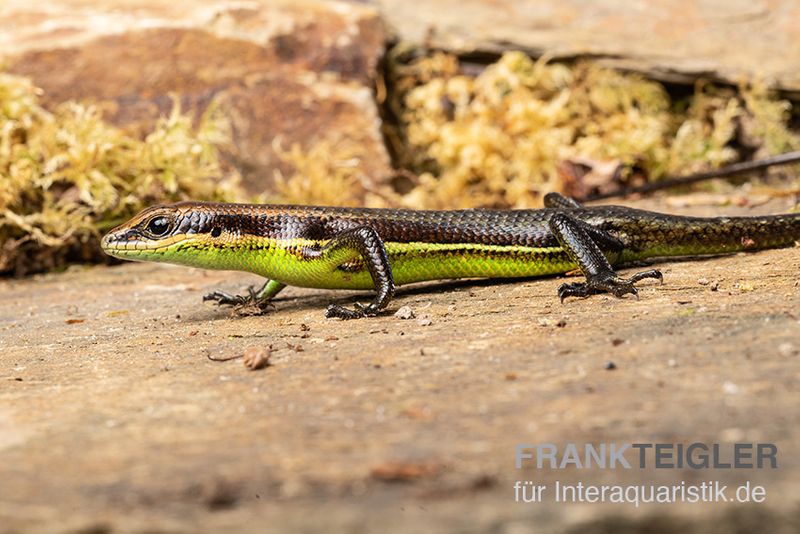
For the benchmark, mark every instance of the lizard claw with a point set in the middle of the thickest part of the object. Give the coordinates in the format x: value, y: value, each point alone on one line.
x: 576, y: 289
x: 225, y: 299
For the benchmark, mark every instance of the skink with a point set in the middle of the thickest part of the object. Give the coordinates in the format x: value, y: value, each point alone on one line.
x: 362, y: 248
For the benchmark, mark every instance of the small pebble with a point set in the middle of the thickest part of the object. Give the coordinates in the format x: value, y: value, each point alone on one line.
x: 617, y: 342
x: 703, y: 281
x: 610, y: 366
x: 256, y: 357
x: 730, y: 388
x: 405, y: 313
x: 787, y: 349
x: 424, y: 321
x: 561, y: 323
x: 672, y: 362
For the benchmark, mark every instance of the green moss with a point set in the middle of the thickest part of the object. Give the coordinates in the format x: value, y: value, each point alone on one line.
x: 66, y: 175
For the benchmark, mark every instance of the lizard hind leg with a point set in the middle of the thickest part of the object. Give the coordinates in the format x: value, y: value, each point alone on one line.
x: 580, y: 241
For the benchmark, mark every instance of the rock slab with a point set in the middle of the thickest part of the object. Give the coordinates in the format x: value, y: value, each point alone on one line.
x: 293, y: 72
x: 114, y: 418
x: 671, y: 40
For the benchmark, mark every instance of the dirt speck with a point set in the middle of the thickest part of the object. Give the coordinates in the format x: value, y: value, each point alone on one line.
x: 405, y: 471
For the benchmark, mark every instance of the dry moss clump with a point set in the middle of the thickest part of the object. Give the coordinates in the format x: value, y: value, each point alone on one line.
x: 498, y: 138
x: 66, y: 176
x: 326, y: 174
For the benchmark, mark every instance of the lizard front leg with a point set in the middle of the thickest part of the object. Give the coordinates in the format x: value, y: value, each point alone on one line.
x: 363, y: 242
x: 259, y: 298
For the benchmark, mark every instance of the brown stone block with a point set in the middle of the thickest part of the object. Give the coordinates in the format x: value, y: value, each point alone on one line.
x: 671, y: 40
x: 302, y: 70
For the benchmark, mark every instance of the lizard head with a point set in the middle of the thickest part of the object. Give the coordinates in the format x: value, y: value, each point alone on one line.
x: 177, y: 233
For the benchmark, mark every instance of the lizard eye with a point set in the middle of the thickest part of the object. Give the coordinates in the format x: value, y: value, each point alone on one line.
x: 159, y: 226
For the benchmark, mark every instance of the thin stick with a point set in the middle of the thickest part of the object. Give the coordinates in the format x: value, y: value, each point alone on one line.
x: 730, y: 170
x: 223, y: 358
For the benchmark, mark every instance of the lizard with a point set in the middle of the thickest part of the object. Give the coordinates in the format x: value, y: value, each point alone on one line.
x: 381, y: 248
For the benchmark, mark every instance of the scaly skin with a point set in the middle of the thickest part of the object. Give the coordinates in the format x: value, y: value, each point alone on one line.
x: 287, y: 244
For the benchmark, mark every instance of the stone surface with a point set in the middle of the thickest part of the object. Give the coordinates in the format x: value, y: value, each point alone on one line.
x: 673, y: 40
x: 294, y: 72
x: 113, y: 418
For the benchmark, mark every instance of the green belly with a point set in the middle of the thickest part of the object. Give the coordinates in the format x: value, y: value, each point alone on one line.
x: 414, y: 262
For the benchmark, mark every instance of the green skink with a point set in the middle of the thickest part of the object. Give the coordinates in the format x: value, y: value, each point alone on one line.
x: 361, y: 248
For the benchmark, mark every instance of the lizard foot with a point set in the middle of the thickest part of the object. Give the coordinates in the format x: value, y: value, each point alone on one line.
x: 340, y: 312
x: 249, y: 304
x: 607, y: 282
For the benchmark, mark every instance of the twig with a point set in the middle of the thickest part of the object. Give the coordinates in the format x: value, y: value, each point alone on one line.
x: 730, y: 170
x: 222, y: 359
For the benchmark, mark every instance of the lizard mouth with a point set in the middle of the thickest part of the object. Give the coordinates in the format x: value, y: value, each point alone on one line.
x: 126, y: 243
